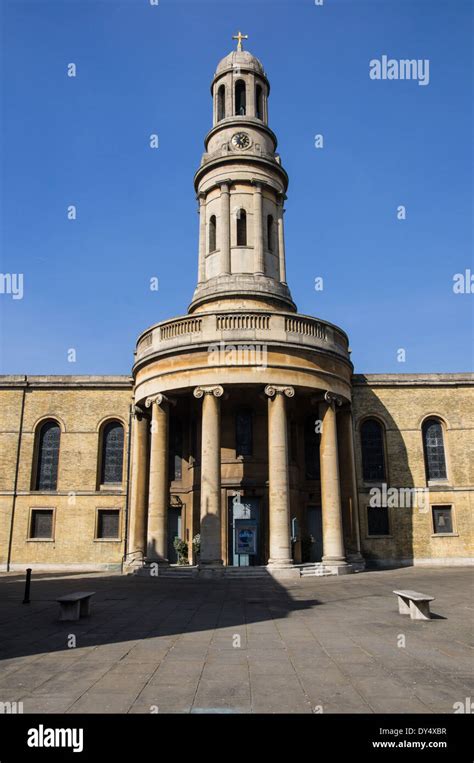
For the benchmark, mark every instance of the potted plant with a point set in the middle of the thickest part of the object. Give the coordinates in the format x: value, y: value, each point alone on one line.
x: 181, y: 548
x: 196, y: 547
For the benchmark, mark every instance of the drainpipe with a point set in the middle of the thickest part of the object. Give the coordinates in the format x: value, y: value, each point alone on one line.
x: 127, y: 494
x: 17, y: 470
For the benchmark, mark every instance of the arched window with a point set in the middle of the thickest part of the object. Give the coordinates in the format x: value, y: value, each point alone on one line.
x: 270, y: 233
x: 221, y: 103
x: 243, y: 433
x: 433, y: 446
x: 373, y: 457
x: 241, y: 227
x: 312, y: 440
x: 212, y: 233
x: 240, y: 98
x: 48, y: 456
x: 259, y: 102
x: 112, y: 453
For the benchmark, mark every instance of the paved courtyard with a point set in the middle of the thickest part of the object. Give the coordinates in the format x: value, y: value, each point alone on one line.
x: 159, y: 645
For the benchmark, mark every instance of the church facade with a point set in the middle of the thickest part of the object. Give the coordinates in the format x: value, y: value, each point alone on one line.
x: 242, y: 438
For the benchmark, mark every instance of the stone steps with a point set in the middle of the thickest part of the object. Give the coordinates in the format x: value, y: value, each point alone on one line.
x: 316, y: 569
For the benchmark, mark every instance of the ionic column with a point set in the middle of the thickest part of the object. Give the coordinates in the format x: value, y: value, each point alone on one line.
x: 158, y: 494
x: 225, y: 228
x: 202, y: 238
x: 138, y: 487
x: 333, y: 541
x: 210, y: 475
x: 278, y: 476
x: 258, y: 228
x: 347, y: 431
x: 281, y: 240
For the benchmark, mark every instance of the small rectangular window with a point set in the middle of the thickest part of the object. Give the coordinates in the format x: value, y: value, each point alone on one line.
x: 41, y: 524
x: 108, y: 524
x: 377, y: 520
x: 442, y: 519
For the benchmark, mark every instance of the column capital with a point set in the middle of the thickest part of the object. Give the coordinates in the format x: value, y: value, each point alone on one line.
x: 257, y: 184
x: 159, y: 399
x: 201, y: 198
x: 273, y: 389
x: 332, y: 399
x: 217, y: 390
x: 224, y: 185
x: 137, y: 411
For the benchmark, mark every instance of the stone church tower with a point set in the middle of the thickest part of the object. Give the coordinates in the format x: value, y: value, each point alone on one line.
x: 242, y: 407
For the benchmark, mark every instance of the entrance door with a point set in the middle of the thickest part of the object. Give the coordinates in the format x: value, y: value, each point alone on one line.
x: 174, y: 531
x: 244, y: 531
x: 315, y: 530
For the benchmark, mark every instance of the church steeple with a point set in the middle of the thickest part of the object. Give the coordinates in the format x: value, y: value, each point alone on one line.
x: 241, y: 187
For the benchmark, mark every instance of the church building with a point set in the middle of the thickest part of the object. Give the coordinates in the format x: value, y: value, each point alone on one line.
x: 242, y: 430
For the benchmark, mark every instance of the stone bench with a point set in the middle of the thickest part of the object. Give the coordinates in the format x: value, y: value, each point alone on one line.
x: 75, y: 605
x: 415, y: 604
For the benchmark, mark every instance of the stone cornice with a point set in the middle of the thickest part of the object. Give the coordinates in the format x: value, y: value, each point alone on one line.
x: 414, y: 380
x: 65, y: 382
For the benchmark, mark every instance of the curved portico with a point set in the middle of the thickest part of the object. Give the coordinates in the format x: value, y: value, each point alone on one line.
x: 254, y: 396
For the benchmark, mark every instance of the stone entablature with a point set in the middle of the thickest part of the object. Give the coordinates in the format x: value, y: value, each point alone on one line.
x: 241, y: 326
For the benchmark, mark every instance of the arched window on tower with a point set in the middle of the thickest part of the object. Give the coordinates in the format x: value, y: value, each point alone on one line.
x: 47, y: 456
x: 212, y: 234
x: 221, y: 103
x: 241, y: 227
x: 270, y: 244
x: 240, y: 98
x: 372, y: 444
x: 111, y: 465
x: 433, y: 447
x: 259, y: 102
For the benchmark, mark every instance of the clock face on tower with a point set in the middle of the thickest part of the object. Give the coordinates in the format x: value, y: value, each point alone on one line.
x: 240, y: 140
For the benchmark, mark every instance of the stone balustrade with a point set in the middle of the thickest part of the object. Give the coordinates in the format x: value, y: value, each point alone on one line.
x: 243, y: 326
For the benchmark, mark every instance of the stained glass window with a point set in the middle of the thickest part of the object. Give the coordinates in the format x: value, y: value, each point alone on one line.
x: 433, y: 446
x: 373, y: 459
x: 112, y: 453
x: 48, y: 456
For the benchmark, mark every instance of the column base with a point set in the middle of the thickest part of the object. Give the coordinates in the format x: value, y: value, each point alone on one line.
x: 337, y: 565
x: 132, y: 563
x: 282, y: 569
x: 280, y: 562
x: 211, y: 570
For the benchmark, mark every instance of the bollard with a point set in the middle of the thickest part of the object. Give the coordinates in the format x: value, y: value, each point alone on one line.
x: 26, y: 600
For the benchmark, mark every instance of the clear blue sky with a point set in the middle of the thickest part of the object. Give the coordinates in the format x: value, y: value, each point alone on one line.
x: 144, y: 69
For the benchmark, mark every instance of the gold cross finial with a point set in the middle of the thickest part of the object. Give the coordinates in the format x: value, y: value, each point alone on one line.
x: 239, y: 37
